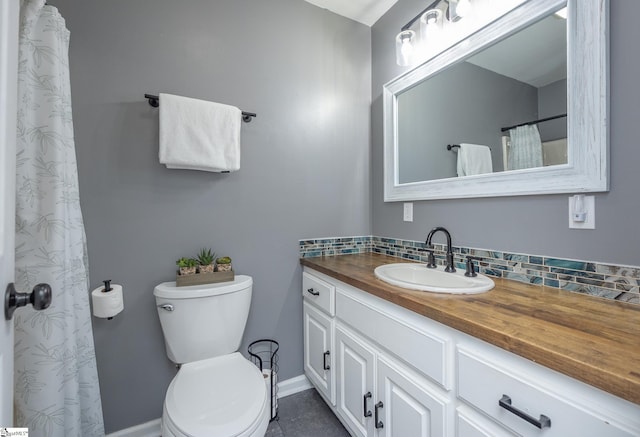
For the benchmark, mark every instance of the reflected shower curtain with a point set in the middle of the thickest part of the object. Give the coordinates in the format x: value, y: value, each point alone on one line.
x: 56, y: 380
x: 526, y: 147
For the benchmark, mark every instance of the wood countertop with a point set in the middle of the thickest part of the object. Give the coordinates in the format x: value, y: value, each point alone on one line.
x: 591, y: 339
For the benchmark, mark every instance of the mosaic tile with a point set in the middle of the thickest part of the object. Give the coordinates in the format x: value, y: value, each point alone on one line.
x: 589, y: 281
x: 604, y: 280
x: 516, y: 257
x: 536, y: 260
x: 629, y: 297
x: 535, y: 267
x: 486, y: 253
x: 551, y: 283
x: 633, y: 272
x: 569, y: 264
x: 491, y: 272
x: 576, y: 273
x: 522, y: 277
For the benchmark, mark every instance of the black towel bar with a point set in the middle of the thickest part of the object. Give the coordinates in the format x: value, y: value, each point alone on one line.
x: 155, y: 102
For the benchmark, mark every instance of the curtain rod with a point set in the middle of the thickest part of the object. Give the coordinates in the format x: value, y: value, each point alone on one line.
x: 155, y: 102
x: 504, y: 129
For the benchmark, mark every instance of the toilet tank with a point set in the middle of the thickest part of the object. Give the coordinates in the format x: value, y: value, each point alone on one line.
x: 203, y: 321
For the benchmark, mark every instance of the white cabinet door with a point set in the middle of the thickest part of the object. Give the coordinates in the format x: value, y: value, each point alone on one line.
x: 318, y: 347
x: 405, y: 408
x: 354, y: 382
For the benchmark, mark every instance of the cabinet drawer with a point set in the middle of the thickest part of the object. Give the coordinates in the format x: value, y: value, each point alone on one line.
x: 424, y: 351
x: 320, y: 293
x: 483, y: 382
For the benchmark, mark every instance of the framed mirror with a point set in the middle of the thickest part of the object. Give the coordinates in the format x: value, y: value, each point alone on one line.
x: 530, y: 80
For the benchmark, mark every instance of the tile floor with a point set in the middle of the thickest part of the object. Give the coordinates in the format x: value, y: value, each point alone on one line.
x: 305, y: 414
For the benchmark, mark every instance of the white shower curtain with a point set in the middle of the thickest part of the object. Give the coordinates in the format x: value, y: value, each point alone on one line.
x: 526, y: 147
x: 56, y: 380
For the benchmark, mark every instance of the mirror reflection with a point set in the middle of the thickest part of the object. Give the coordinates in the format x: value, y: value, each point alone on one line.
x: 504, y: 108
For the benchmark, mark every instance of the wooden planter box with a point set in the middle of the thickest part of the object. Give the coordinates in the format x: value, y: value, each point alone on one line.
x: 204, y: 278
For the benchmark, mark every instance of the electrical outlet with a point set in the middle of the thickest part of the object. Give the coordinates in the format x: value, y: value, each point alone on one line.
x: 408, y: 212
x: 578, y: 220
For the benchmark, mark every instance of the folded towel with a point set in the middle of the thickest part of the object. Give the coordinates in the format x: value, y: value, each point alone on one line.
x: 199, y: 135
x: 474, y: 159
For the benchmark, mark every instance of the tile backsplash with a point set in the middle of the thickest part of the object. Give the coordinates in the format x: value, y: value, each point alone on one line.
x: 604, y: 280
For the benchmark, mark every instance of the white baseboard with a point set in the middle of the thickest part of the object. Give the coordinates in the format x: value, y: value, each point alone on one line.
x: 153, y: 428
x: 293, y: 386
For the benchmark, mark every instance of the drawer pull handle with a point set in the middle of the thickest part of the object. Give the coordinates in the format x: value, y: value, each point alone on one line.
x: 543, y: 422
x: 379, y: 423
x: 365, y: 412
x: 326, y: 355
x: 312, y: 291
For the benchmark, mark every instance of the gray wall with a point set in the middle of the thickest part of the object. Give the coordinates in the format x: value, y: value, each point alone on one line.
x: 463, y: 104
x: 552, y: 101
x: 305, y: 163
x: 528, y: 224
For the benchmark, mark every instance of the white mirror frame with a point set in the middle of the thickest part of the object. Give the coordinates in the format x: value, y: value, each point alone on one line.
x: 587, y: 104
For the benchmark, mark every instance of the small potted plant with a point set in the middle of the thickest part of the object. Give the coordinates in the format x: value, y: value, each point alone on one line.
x: 187, y: 266
x: 205, y: 261
x: 223, y: 264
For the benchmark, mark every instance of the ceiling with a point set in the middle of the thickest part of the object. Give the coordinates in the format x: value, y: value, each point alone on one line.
x: 536, y: 55
x: 364, y: 11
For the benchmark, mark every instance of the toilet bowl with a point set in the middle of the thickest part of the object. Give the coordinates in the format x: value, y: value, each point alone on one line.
x: 224, y: 396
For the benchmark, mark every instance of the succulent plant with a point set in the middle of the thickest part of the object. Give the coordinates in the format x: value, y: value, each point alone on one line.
x: 187, y: 262
x: 205, y: 257
x: 223, y: 260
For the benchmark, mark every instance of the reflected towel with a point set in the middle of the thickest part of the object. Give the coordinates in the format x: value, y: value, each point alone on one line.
x: 474, y: 159
x: 199, y: 135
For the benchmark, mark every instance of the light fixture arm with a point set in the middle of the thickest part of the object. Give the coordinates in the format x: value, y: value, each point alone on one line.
x: 414, y: 19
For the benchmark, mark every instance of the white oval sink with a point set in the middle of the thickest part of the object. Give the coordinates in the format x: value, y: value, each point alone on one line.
x: 418, y: 277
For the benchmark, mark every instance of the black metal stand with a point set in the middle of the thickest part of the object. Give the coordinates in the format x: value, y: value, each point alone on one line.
x: 264, y: 354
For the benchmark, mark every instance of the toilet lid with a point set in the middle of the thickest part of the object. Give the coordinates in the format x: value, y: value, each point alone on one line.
x: 220, y: 396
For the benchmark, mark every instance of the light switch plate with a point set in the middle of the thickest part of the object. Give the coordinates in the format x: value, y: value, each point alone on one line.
x: 408, y: 212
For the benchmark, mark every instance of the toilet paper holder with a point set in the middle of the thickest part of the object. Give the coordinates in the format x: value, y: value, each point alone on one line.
x: 264, y: 354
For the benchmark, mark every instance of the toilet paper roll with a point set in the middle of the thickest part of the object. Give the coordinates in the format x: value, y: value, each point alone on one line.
x: 107, y: 304
x: 266, y: 373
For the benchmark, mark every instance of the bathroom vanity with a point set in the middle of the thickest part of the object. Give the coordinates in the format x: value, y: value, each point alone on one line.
x: 517, y: 360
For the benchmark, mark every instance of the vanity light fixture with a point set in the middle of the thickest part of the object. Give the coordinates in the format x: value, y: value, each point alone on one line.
x: 431, y: 21
x: 430, y: 24
x: 405, y: 42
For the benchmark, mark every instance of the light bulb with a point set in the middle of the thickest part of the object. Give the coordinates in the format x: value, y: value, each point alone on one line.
x: 404, y: 47
x: 430, y: 23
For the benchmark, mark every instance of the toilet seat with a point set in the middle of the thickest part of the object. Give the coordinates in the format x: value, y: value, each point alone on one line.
x: 221, y: 396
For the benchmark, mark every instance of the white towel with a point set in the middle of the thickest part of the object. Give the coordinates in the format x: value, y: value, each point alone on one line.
x: 199, y: 135
x: 474, y: 159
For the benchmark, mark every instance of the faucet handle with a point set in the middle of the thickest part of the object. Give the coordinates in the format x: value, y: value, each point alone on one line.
x: 431, y: 259
x: 471, y: 268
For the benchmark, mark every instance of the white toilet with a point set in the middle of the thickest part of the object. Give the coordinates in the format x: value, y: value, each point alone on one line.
x: 217, y: 392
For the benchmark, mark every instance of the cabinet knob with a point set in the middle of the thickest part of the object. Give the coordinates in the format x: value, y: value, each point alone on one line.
x: 543, y: 422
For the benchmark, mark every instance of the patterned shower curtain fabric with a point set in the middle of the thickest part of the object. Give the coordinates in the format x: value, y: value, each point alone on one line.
x: 56, y: 379
x: 526, y: 147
